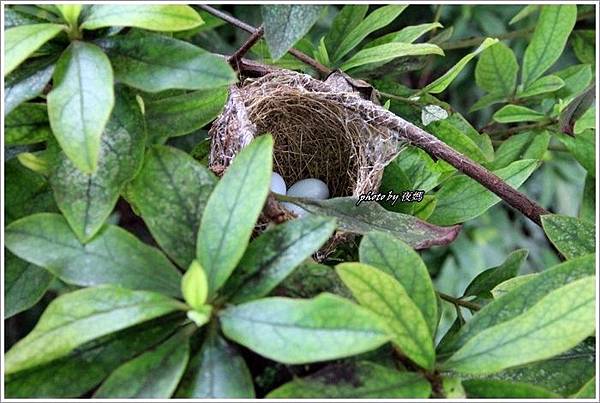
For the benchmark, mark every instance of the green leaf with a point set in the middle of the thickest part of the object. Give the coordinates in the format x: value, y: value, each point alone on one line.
x: 571, y: 236
x: 444, y: 81
x: 14, y: 17
x: 27, y: 124
x: 370, y: 216
x: 490, y: 388
x: 390, y: 51
x: 397, y: 259
x: 576, y: 79
x: 586, y: 121
x: 587, y: 391
x: 558, y: 322
x: 344, y: 22
x: 70, y: 12
x: 217, y: 371
x: 273, y: 255
x: 510, y: 284
x: 517, y: 113
x: 114, y: 256
x: 543, y: 85
x: 487, y: 100
x: 89, y: 364
x: 24, y: 284
x: 194, y: 286
x: 587, y: 208
x: 383, y: 295
x: 462, y: 198
x: 27, y: 192
x: 170, y: 192
x: 139, y: 61
x: 549, y: 38
x: 575, y: 109
x: 80, y: 316
x: 182, y: 114
x: 521, y: 298
x: 286, y: 24
x: 20, y: 42
x: 488, y: 279
x: 525, y: 11
x: 376, y: 20
x: 564, y: 374
x: 584, y: 45
x: 232, y: 210
x: 86, y: 200
x: 153, y: 17
x: 528, y: 145
x: 152, y: 375
x: 80, y: 103
x: 27, y: 82
x: 356, y: 380
x: 405, y: 35
x: 451, y: 132
x: 496, y: 70
x: 39, y: 161
x: 292, y: 331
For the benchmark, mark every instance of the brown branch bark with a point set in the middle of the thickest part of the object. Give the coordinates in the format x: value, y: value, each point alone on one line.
x: 411, y: 133
x: 234, y: 59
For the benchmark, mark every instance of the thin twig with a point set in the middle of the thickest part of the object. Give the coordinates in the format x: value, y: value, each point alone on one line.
x: 504, y: 133
x: 459, y: 302
x: 551, y: 147
x: 235, y: 59
x: 318, y: 67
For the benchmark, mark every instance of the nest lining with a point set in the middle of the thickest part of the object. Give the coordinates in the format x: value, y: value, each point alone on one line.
x: 316, y: 130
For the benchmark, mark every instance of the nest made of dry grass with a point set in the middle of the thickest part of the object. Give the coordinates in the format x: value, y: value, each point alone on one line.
x: 316, y: 130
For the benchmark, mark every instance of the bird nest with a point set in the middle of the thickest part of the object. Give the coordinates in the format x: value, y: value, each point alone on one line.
x: 317, y: 132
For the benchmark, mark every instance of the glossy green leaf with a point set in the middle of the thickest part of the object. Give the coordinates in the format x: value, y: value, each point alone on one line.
x: 374, y: 21
x: 152, y: 375
x: 370, y: 216
x: 444, y: 81
x: 217, y: 371
x: 27, y: 82
x: 292, y: 331
x: 487, y: 100
x: 399, y: 260
x: 587, y: 391
x: 182, y: 114
x: 582, y: 146
x: 558, y: 322
x: 549, y: 38
x: 488, y: 279
x: 344, y: 22
x: 451, y: 132
x: 27, y: 124
x: 405, y: 35
x: 586, y: 121
x: 70, y: 12
x: 576, y: 79
x: 584, y: 45
x: 571, y: 236
x: 155, y: 17
x: 14, y: 17
x: 89, y: 364
x: 496, y: 70
x: 543, y: 85
x: 170, y: 192
x: 80, y: 103
x: 386, y: 297
x: 24, y: 284
x: 139, y: 61
x: 491, y: 388
x: 194, y: 286
x: 20, y: 42
x: 80, y: 316
x: 86, y: 200
x: 576, y: 108
x: 517, y: 113
x: 528, y: 145
x: 286, y: 24
x: 26, y: 192
x: 114, y: 256
x: 564, y: 374
x: 525, y: 12
x: 273, y: 255
x: 587, y: 208
x: 389, y: 51
x: 355, y: 380
x: 521, y: 298
x: 232, y: 210
x: 462, y: 198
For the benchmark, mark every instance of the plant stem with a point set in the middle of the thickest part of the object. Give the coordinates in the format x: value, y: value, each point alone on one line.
x: 235, y: 59
x: 319, y: 68
x: 459, y: 302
